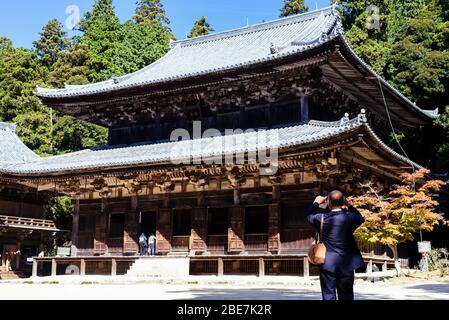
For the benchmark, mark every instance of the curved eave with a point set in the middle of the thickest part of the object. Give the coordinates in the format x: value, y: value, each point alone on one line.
x: 345, y: 136
x: 425, y: 115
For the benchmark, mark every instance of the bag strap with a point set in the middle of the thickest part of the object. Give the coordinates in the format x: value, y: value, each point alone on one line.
x: 320, y: 234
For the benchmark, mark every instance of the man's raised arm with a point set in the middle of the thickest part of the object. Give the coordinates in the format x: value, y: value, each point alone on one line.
x: 313, y: 209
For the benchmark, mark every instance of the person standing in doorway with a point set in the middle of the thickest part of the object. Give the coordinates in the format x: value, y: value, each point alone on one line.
x: 143, y: 244
x: 343, y: 256
x: 151, y: 244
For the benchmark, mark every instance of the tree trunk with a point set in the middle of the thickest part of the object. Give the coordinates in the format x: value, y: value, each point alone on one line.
x: 397, y: 264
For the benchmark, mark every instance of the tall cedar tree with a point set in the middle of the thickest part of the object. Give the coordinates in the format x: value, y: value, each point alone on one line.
x: 51, y: 44
x: 150, y: 10
x: 201, y: 27
x: 101, y: 27
x: 292, y: 7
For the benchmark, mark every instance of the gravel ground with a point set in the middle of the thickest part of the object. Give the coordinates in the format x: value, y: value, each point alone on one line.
x: 204, y: 288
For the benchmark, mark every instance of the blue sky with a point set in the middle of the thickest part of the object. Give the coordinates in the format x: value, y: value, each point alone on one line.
x: 22, y: 20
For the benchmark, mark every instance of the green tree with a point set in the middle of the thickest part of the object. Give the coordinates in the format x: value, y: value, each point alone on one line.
x: 139, y: 45
x: 292, y: 7
x: 101, y: 27
x: 51, y: 44
x: 72, y: 67
x: 201, y: 27
x: 72, y: 135
x: 150, y: 11
x: 33, y: 127
x: 20, y: 72
x: 100, y: 8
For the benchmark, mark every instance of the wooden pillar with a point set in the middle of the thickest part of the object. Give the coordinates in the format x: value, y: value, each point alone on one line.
x: 220, y: 267
x: 113, y: 267
x: 18, y: 255
x: 369, y: 267
x: 236, y: 230
x: 261, y: 267
x: 53, y: 267
x: 34, y: 270
x: 83, y: 267
x: 75, y: 227
x: 306, y: 267
x: 199, y: 230
x: 274, y: 228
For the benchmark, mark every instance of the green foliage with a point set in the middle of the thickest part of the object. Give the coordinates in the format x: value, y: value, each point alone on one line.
x: 410, y: 49
x: 51, y: 43
x: 19, y: 74
x: 72, y: 67
x: 59, y: 209
x: 150, y: 11
x: 33, y: 127
x: 138, y: 45
x: 293, y: 7
x: 201, y: 27
x: 71, y: 134
x: 101, y: 28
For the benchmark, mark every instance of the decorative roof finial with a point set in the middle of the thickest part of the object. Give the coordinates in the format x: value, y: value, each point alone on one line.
x: 362, y: 116
x: 115, y: 79
x: 273, y: 48
x: 345, y: 119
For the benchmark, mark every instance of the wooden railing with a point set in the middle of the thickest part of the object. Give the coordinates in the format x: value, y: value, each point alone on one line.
x: 180, y: 243
x: 256, y: 242
x: 27, y: 222
x: 375, y: 249
x: 218, y: 243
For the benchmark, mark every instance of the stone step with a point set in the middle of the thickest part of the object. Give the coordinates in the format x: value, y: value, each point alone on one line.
x: 12, y: 275
x: 160, y: 267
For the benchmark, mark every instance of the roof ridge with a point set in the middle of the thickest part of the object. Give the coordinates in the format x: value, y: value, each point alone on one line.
x: 256, y: 27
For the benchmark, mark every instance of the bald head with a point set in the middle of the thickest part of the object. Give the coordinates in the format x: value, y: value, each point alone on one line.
x: 335, y: 199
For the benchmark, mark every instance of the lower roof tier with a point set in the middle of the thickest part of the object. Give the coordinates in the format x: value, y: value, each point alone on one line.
x: 249, y: 145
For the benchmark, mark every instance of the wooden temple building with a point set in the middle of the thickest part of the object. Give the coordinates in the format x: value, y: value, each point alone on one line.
x: 23, y: 227
x: 296, y: 80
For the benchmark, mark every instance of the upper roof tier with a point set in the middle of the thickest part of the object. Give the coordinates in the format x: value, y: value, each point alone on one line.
x: 215, y: 52
x: 240, y: 49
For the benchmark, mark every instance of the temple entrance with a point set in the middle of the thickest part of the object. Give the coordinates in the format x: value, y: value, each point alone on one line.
x: 218, y: 224
x: 148, y: 222
x: 182, y: 229
x: 116, y: 233
x: 256, y: 228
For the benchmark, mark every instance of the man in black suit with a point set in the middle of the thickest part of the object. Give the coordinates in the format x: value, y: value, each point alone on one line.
x: 342, y: 254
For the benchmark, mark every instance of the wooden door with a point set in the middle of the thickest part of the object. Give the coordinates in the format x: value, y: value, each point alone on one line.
x: 273, y: 227
x: 199, y: 229
x: 164, y: 231
x: 101, y: 229
x: 130, y: 237
x: 236, y: 234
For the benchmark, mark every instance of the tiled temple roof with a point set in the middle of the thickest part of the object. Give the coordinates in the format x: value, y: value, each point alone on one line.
x: 239, y: 48
x: 12, y: 149
x: 206, y: 148
x: 221, y: 51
